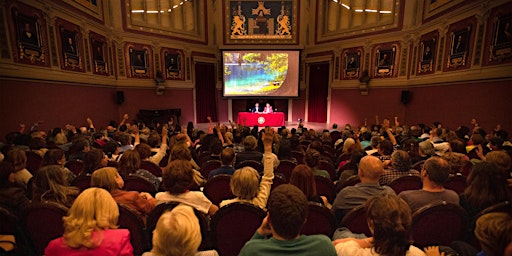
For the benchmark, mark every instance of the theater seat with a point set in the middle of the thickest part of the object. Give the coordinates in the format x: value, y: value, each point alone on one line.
x: 320, y: 221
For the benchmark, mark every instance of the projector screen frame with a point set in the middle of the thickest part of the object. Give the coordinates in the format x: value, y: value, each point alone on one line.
x: 295, y: 73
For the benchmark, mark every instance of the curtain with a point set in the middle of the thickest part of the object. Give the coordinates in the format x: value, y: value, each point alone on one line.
x: 318, y: 92
x: 206, y: 103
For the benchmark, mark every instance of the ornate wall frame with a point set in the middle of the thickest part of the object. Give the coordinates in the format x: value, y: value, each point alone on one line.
x: 352, y: 60
x: 427, y: 53
x: 30, y: 40
x: 70, y: 42
x: 261, y: 22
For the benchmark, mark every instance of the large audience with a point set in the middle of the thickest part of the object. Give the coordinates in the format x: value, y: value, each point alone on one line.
x: 363, y: 163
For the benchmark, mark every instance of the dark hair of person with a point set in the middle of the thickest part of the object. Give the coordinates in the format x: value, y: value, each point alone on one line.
x: 53, y: 156
x: 92, y: 160
x: 288, y: 209
x: 50, y: 183
x: 37, y: 143
x: 303, y: 178
x: 312, y: 158
x: 458, y: 146
x: 178, y: 177
x: 438, y: 169
x: 486, y: 186
x: 401, y: 161
x: 391, y: 219
x: 180, y: 152
x: 144, y: 150
x: 129, y: 163
x: 318, y: 145
x: 386, y: 147
x: 227, y: 155
x: 216, y: 147
x: 6, y: 168
x: 285, y: 149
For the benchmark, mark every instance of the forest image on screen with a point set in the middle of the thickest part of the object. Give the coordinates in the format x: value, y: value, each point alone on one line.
x: 263, y: 73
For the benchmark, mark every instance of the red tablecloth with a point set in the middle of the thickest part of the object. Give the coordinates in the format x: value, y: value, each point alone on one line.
x: 273, y: 119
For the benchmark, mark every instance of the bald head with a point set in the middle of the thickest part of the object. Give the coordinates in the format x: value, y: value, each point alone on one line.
x: 370, y: 169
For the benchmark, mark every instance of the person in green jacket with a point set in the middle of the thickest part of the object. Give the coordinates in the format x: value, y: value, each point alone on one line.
x: 287, y: 213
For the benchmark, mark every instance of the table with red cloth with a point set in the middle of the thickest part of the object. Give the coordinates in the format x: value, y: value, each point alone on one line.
x: 259, y: 119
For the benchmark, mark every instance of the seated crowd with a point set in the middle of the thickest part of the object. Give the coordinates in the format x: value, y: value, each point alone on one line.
x: 91, y: 171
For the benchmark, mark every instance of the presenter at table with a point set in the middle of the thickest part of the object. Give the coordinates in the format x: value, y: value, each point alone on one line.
x: 256, y: 108
x: 268, y: 109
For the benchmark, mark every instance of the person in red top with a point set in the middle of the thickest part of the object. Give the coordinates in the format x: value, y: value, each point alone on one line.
x: 91, y: 228
x: 108, y: 178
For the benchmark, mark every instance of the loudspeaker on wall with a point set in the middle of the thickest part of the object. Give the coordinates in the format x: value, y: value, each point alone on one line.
x: 406, y: 97
x: 119, y: 97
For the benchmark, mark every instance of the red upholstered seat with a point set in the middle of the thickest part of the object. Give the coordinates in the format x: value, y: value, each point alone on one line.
x: 217, y: 188
x: 320, y: 221
x: 43, y: 222
x: 233, y: 225
x: 438, y: 224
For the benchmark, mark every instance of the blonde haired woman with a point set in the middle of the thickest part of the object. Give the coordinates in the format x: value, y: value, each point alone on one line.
x: 91, y: 228
x: 245, y: 182
x: 178, y: 232
x: 108, y: 178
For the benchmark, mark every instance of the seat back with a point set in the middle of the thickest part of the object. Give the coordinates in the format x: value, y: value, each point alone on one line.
x: 164, y: 161
x: 329, y: 167
x: 466, y: 168
x: 252, y: 163
x: 298, y: 155
x: 320, y: 220
x: 351, y: 181
x: 155, y: 214
x: 217, y: 188
x: 438, y: 224
x: 286, y: 167
x: 131, y: 220
x: 82, y: 182
x: 335, y: 135
x: 408, y: 182
x: 499, y: 207
x: 209, y: 166
x: 140, y: 184
x: 418, y: 165
x: 325, y: 187
x: 233, y: 225
x: 355, y: 220
x: 8, y: 222
x: 456, y: 183
x: 76, y: 166
x: 279, y: 179
x: 43, y: 223
x: 151, y: 167
x: 34, y: 162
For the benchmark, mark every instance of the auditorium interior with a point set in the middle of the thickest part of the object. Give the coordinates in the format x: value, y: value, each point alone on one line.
x: 421, y: 61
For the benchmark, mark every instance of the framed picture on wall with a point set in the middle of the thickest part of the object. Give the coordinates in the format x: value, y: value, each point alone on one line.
x: 261, y: 22
x: 501, y: 48
x: 139, y: 61
x: 27, y: 27
x: 385, y: 62
x: 427, y: 53
x: 351, y: 63
x: 99, y: 54
x: 174, y: 64
x: 70, y: 45
x: 459, y: 44
x: 459, y: 47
